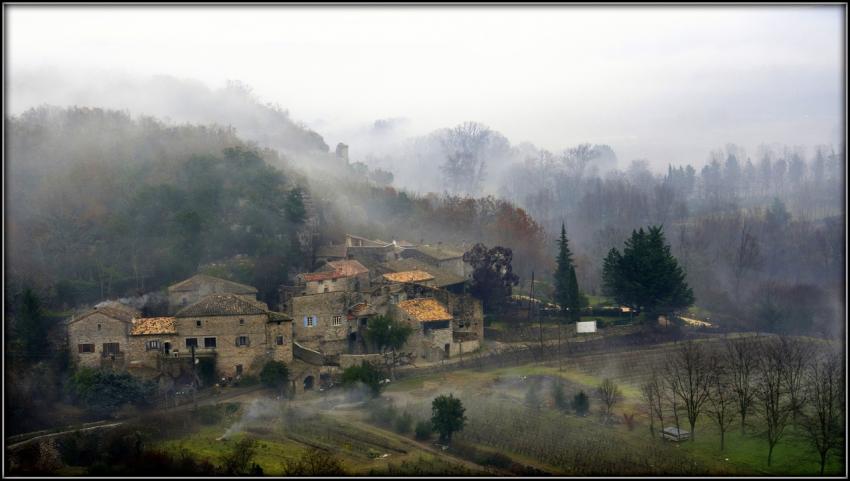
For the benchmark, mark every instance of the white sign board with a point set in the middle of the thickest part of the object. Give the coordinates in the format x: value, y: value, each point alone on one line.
x: 587, y: 326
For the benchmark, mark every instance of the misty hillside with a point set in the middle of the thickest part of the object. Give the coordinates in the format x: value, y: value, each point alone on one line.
x: 179, y: 100
x: 102, y: 204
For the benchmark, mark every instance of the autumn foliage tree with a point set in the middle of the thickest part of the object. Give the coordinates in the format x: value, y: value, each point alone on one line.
x: 492, y: 276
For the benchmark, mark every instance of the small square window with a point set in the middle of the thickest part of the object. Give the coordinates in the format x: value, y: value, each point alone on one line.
x: 198, y: 323
x: 191, y: 341
x: 85, y: 348
x: 310, y: 322
x: 242, y: 341
x: 153, y: 345
x: 279, y: 340
x: 209, y: 342
x: 98, y: 327
x: 241, y: 322
x: 337, y: 320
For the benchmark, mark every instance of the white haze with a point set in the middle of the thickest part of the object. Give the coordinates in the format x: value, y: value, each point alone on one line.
x: 667, y: 84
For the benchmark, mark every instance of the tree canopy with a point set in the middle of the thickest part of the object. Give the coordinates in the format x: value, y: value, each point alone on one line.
x: 447, y: 416
x: 492, y: 276
x: 646, y: 275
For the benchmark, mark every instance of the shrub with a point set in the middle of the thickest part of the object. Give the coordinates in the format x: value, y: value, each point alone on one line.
x: 314, y: 462
x: 365, y: 373
x: 104, y: 392
x: 404, y: 423
x: 423, y: 430
x: 581, y: 403
x: 275, y: 375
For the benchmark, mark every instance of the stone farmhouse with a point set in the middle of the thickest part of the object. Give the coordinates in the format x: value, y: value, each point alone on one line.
x: 318, y: 328
x: 235, y: 329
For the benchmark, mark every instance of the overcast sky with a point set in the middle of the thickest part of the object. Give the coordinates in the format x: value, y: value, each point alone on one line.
x: 663, y: 83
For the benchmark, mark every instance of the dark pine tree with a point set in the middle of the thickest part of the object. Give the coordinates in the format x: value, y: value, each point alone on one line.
x: 647, y: 276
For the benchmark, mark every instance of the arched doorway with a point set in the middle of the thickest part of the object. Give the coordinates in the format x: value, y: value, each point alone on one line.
x: 308, y: 383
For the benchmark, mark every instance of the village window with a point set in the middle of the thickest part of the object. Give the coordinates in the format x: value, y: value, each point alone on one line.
x: 85, y: 348
x: 310, y: 321
x: 191, y: 341
x: 198, y: 323
x: 242, y: 341
x: 395, y: 299
x: 110, y: 348
x: 152, y: 345
x: 337, y: 320
x: 241, y: 322
x: 98, y: 327
x: 209, y: 342
x: 239, y: 369
x: 327, y: 289
x: 279, y: 340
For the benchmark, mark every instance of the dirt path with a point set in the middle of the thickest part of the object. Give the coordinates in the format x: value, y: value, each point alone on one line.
x: 70, y: 429
x: 419, y: 445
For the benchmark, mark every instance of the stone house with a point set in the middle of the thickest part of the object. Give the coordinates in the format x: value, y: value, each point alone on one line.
x: 441, y: 257
x: 334, y: 276
x: 242, y: 335
x: 99, y: 337
x: 326, y: 321
x: 199, y: 286
x: 431, y: 321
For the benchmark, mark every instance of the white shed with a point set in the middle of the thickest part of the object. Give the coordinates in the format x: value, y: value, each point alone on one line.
x: 586, y: 327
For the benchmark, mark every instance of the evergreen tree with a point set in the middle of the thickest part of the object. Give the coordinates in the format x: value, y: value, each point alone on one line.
x: 647, y: 275
x: 31, y: 325
x: 567, y: 293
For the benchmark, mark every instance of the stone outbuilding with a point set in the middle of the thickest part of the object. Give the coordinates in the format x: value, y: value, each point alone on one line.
x: 99, y: 336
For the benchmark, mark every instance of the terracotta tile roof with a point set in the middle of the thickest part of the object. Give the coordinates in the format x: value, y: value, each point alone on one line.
x: 322, y: 276
x: 220, y: 285
x: 442, y: 277
x: 425, y: 310
x: 336, y: 270
x: 279, y: 316
x: 153, y: 325
x: 222, y: 305
x: 349, y: 267
x: 408, y: 276
x: 362, y: 309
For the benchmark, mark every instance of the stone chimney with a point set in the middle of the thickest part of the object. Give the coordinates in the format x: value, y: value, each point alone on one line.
x: 342, y: 151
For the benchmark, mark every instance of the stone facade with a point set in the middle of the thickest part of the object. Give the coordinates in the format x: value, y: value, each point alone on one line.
x: 244, y: 340
x: 321, y: 321
x: 99, y: 337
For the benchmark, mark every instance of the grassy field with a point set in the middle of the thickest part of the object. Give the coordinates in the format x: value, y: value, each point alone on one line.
x: 500, y: 420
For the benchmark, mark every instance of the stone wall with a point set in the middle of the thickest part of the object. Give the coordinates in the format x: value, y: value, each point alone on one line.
x: 226, y: 330
x: 97, y: 329
x: 348, y: 360
x: 323, y: 334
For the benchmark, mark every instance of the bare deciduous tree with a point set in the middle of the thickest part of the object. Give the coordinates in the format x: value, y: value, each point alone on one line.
x: 771, y: 393
x: 740, y: 366
x: 609, y: 394
x: 721, y: 400
x: 652, y: 392
x: 822, y: 422
x: 747, y: 257
x: 797, y: 355
x: 689, y: 376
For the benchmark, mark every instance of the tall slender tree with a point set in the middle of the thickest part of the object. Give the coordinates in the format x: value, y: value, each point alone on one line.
x: 567, y: 293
